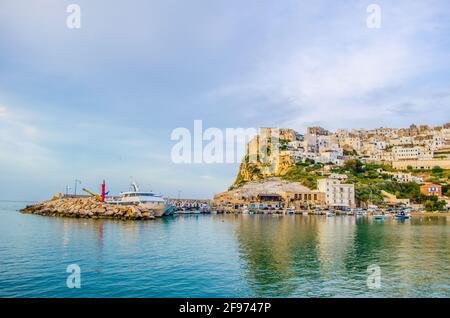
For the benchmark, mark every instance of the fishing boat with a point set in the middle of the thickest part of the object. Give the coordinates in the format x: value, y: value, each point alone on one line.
x: 402, y: 215
x: 148, y: 200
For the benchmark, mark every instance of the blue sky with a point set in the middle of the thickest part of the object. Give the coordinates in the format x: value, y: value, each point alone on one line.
x: 101, y: 101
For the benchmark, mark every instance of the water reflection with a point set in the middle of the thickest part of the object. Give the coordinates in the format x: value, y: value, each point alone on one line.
x: 224, y: 256
x: 329, y: 256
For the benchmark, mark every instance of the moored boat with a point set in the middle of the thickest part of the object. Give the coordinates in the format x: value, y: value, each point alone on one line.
x: 148, y: 200
x: 290, y: 210
x: 403, y: 215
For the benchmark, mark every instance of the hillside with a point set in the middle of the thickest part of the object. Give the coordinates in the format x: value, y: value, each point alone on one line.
x: 374, y: 183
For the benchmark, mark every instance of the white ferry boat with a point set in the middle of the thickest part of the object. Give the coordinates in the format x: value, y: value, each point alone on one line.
x: 147, y: 200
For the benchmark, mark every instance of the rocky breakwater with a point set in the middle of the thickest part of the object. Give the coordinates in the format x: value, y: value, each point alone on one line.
x: 87, y: 208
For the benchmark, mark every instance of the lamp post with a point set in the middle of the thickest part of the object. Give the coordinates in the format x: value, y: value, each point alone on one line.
x: 67, y: 190
x: 75, y: 188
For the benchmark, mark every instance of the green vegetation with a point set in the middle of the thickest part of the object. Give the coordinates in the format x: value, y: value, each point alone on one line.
x: 370, y: 180
x: 432, y: 203
x: 368, y: 193
x: 302, y: 173
x: 284, y: 144
x: 437, y: 171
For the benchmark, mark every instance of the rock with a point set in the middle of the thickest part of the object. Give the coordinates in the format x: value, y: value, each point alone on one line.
x: 86, y: 208
x: 57, y: 196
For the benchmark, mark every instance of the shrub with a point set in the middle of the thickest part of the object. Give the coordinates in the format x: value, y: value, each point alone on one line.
x: 437, y: 171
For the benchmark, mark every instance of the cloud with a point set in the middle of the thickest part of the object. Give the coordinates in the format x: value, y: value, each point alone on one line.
x: 347, y: 74
x: 20, y: 143
x: 101, y: 101
x: 3, y: 112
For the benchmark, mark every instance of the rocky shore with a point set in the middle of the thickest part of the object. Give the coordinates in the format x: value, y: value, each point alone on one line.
x: 87, y: 208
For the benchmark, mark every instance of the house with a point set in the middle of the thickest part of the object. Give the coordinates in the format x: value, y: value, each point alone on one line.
x: 403, y: 177
x: 431, y: 189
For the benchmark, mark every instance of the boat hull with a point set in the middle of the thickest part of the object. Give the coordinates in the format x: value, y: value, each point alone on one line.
x: 157, y: 209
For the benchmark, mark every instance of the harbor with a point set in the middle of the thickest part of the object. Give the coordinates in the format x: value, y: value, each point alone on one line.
x: 139, y: 205
x: 223, y: 255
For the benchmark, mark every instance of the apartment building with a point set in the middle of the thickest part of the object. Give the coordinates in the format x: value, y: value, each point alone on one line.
x: 337, y: 194
x: 412, y: 153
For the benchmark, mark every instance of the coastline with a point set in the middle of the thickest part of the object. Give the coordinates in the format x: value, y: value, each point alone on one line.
x: 430, y: 213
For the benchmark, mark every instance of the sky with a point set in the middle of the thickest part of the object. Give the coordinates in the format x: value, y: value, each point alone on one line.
x: 101, y: 102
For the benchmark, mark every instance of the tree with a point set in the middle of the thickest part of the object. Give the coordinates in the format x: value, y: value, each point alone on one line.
x: 437, y: 171
x: 435, y: 205
x: 429, y: 205
x: 354, y: 165
x: 441, y: 205
x: 447, y: 193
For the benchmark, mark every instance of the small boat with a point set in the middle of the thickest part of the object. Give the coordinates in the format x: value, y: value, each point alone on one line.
x: 329, y: 214
x: 379, y: 217
x: 402, y: 215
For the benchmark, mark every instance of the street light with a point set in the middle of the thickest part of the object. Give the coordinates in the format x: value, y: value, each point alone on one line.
x: 76, y: 182
x: 67, y: 190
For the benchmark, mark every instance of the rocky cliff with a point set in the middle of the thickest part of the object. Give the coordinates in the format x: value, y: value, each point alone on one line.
x: 266, y: 156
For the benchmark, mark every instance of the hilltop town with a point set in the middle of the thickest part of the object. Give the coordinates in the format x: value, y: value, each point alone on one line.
x: 344, y: 169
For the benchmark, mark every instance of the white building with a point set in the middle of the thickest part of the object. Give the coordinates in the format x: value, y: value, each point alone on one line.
x: 338, y: 176
x: 412, y: 153
x: 337, y: 194
x: 405, y: 177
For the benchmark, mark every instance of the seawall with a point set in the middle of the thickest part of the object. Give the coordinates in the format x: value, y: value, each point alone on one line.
x: 87, y: 208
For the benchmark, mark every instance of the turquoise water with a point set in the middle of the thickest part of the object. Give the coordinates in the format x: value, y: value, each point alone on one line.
x: 223, y: 256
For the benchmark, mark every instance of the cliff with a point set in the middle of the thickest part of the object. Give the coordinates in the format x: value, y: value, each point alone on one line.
x: 266, y: 156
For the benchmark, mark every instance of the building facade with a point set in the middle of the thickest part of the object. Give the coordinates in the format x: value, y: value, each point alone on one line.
x: 337, y: 194
x: 431, y: 189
